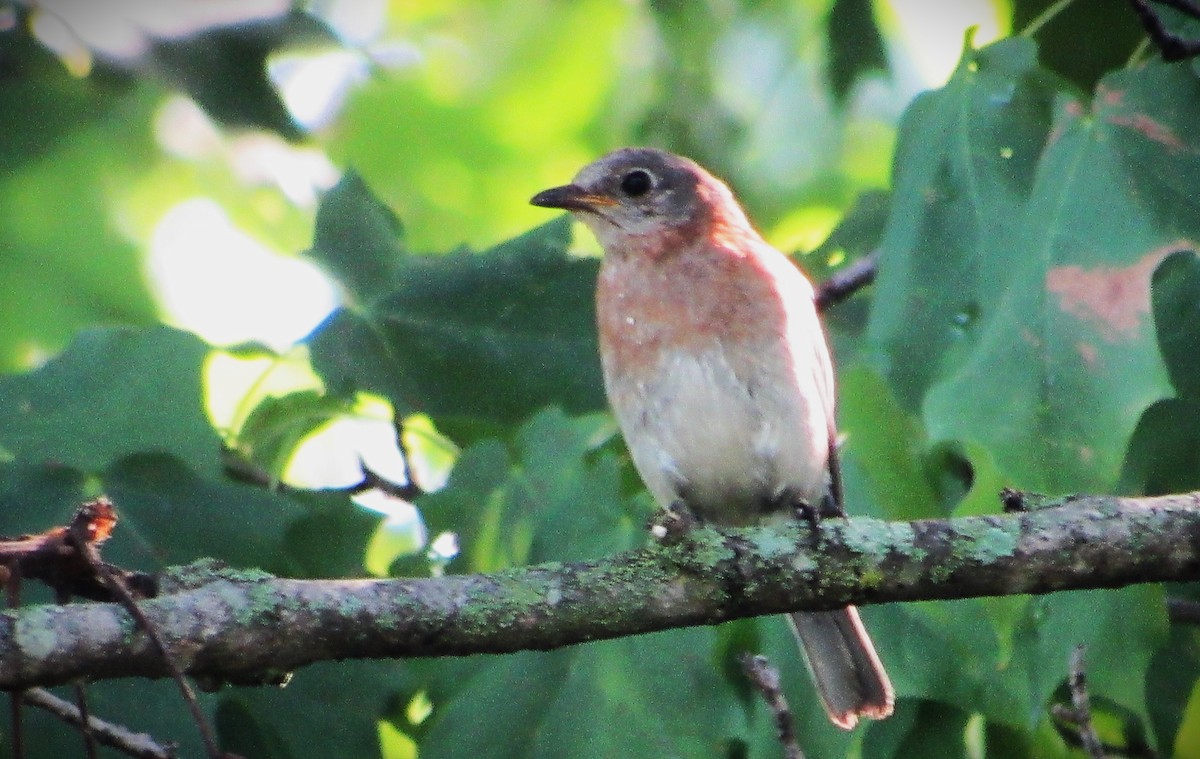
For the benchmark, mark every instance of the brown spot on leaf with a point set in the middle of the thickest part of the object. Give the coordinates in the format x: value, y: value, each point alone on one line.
x: 1111, y: 298
x: 1073, y: 111
x: 1151, y: 129
x: 1110, y: 96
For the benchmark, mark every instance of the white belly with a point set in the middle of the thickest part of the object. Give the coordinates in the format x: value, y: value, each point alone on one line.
x: 728, y: 448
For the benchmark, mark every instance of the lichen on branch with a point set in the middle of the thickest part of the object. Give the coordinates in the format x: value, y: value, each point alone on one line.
x: 224, y: 626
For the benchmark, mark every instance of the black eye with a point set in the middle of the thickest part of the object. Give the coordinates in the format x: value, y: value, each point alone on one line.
x: 637, y: 183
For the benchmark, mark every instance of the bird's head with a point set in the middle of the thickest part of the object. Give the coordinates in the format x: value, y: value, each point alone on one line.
x: 635, y: 195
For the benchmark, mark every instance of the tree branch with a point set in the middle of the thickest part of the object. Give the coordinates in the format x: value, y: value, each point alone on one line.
x: 224, y: 625
x: 107, y: 733
x: 845, y: 283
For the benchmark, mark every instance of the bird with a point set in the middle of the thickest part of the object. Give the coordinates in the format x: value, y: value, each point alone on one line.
x: 718, y: 371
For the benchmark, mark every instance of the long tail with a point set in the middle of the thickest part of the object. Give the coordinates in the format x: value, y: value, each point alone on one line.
x: 844, y: 665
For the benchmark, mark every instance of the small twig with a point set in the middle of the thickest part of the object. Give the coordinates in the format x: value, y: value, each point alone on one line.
x: 1045, y: 17
x: 62, y: 597
x: 106, y: 733
x: 1172, y: 46
x: 1077, y: 684
x: 848, y: 281
x: 244, y: 470
x: 85, y: 721
x: 373, y: 481
x: 81, y: 535
x: 765, y: 678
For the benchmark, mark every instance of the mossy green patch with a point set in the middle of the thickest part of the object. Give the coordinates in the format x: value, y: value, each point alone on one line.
x: 990, y: 540
x: 204, y: 571
x: 34, y: 632
x: 878, y: 538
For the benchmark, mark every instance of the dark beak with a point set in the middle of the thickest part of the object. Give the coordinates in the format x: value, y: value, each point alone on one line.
x: 571, y: 197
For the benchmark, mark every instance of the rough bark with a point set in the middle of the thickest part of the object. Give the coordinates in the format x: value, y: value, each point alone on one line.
x: 242, y: 626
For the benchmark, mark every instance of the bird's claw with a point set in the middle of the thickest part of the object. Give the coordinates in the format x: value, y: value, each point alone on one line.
x: 674, y: 521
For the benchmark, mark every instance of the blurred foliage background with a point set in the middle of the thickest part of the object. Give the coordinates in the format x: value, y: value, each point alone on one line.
x: 249, y: 245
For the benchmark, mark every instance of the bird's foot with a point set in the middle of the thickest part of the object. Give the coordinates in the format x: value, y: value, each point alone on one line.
x: 674, y: 521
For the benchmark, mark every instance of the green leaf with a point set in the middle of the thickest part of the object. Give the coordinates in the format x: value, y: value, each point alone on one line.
x: 358, y: 239
x: 1005, y: 612
x: 1175, y: 297
x: 45, y: 106
x: 330, y: 539
x: 328, y: 709
x: 1173, y: 686
x: 948, y: 652
x: 112, y: 393
x: 921, y: 728
x: 65, y: 263
x: 1112, y: 37
x: 653, y: 695
x: 1164, y: 450
x: 888, y: 445
x: 855, y: 45
x: 471, y: 505
x: 176, y: 516
x: 571, y: 490
x: 33, y: 497
x: 553, y: 494
x: 244, y: 735
x: 224, y: 68
x: 1121, y: 629
x: 1187, y: 740
x: 956, y: 194
x: 461, y: 142
x: 1014, y: 285
x: 986, y: 483
x: 495, y: 335
x: 277, y: 425
x: 126, y: 406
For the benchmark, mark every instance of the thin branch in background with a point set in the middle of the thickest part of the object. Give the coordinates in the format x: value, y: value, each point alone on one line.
x: 85, y: 722
x: 848, y: 281
x: 1082, y: 707
x: 1045, y: 17
x: 122, y: 739
x: 241, y: 469
x: 63, y: 597
x: 372, y: 480
x: 1139, y: 54
x: 765, y: 678
x: 1172, y: 46
x: 82, y: 535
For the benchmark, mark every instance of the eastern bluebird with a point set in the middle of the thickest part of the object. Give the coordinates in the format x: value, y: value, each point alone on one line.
x: 717, y: 368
